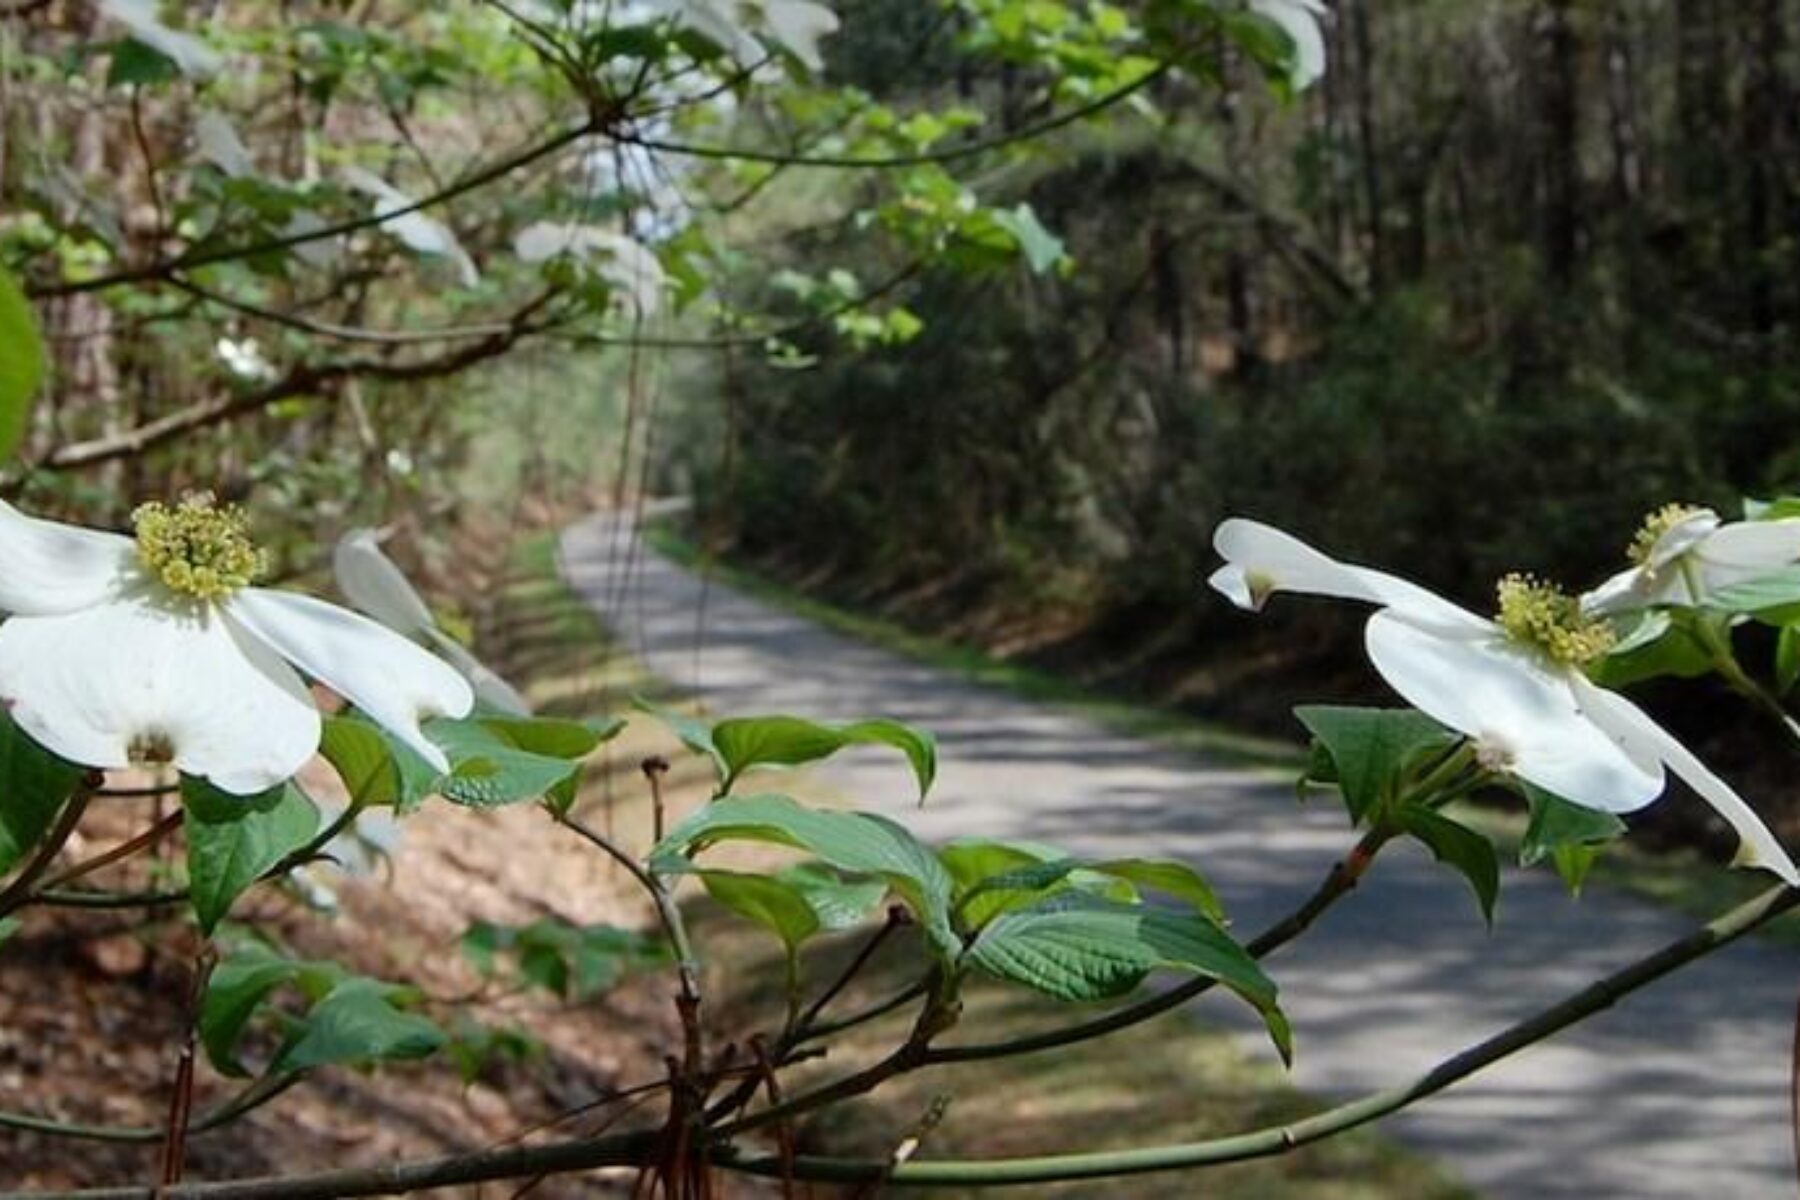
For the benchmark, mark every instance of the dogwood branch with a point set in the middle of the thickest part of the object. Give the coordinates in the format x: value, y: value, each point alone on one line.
x: 1282, y: 1139
x: 637, y: 1149
x: 882, y: 162
x: 478, y: 178
x: 309, y: 379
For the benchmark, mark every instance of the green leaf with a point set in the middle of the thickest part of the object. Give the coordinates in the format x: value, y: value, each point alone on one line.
x: 997, y: 877
x: 998, y: 894
x: 133, y: 62
x: 692, y: 732
x: 1774, y: 597
x: 1787, y: 659
x: 839, y: 902
x: 488, y: 770
x: 1080, y: 947
x: 21, y: 362
x: 412, y: 779
x: 1172, y: 878
x: 1371, y: 749
x: 35, y: 784
x: 858, y: 843
x: 475, y: 1047
x: 1778, y: 509
x: 1664, y: 643
x: 1459, y: 847
x: 574, y: 961
x: 554, y: 737
x: 233, y: 840
x: 745, y: 742
x: 1566, y: 833
x: 1573, y: 863
x: 1041, y: 248
x: 363, y: 761
x: 778, y: 907
x: 239, y: 984
x: 970, y: 861
x: 359, y: 1021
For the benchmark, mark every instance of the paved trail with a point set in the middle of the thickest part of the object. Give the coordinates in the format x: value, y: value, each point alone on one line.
x: 1679, y: 1092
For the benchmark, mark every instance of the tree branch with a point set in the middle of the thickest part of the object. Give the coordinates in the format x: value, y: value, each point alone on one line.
x: 1276, y: 1140
x: 163, y: 268
x: 921, y: 158
x: 302, y: 380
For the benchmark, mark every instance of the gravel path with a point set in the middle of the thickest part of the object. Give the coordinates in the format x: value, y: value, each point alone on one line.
x: 1679, y: 1092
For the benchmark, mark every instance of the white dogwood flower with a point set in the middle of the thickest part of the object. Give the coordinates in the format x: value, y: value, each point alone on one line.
x: 244, y: 358
x: 375, y: 586
x: 1682, y: 555
x: 741, y: 27
x: 624, y: 262
x: 416, y: 230
x: 1513, y: 685
x: 190, y: 54
x: 120, y: 652
x: 1300, y: 20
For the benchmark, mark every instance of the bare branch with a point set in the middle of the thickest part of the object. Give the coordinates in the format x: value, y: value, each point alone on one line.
x: 303, y: 380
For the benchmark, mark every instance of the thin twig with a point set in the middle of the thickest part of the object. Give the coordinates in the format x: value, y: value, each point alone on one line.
x: 125, y: 849
x: 636, y: 1149
x: 18, y: 893
x: 1282, y: 1139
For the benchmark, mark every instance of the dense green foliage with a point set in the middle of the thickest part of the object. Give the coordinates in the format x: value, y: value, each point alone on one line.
x: 1511, y: 276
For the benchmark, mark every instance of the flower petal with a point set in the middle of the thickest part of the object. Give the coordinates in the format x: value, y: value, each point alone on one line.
x: 47, y: 567
x: 1514, y: 708
x: 395, y: 682
x: 1299, y: 19
x: 797, y: 26
x: 192, y: 55
x: 1681, y: 537
x: 219, y: 144
x: 1746, y: 550
x: 1262, y: 559
x: 375, y: 586
x: 490, y: 688
x: 1629, y: 589
x: 1643, y: 737
x: 90, y: 684
x: 418, y: 231
x: 624, y: 262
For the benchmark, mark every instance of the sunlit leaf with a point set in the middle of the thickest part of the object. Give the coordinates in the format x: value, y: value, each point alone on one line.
x: 21, y: 362
x: 1080, y: 947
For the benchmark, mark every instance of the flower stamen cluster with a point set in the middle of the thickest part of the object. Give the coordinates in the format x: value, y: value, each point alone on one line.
x: 1643, y: 542
x: 198, y: 547
x: 1548, y: 619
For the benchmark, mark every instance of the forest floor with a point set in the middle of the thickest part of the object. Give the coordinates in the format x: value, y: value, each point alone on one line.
x: 91, y: 1004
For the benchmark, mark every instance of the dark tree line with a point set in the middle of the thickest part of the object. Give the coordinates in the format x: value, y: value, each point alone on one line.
x: 1511, y: 275
x: 1507, y: 261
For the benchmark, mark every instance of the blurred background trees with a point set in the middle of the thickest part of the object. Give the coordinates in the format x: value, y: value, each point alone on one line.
x: 1512, y: 274
x: 981, y: 312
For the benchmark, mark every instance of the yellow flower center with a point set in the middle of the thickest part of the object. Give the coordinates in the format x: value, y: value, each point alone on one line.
x: 1548, y: 619
x: 1643, y: 542
x: 198, y: 547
